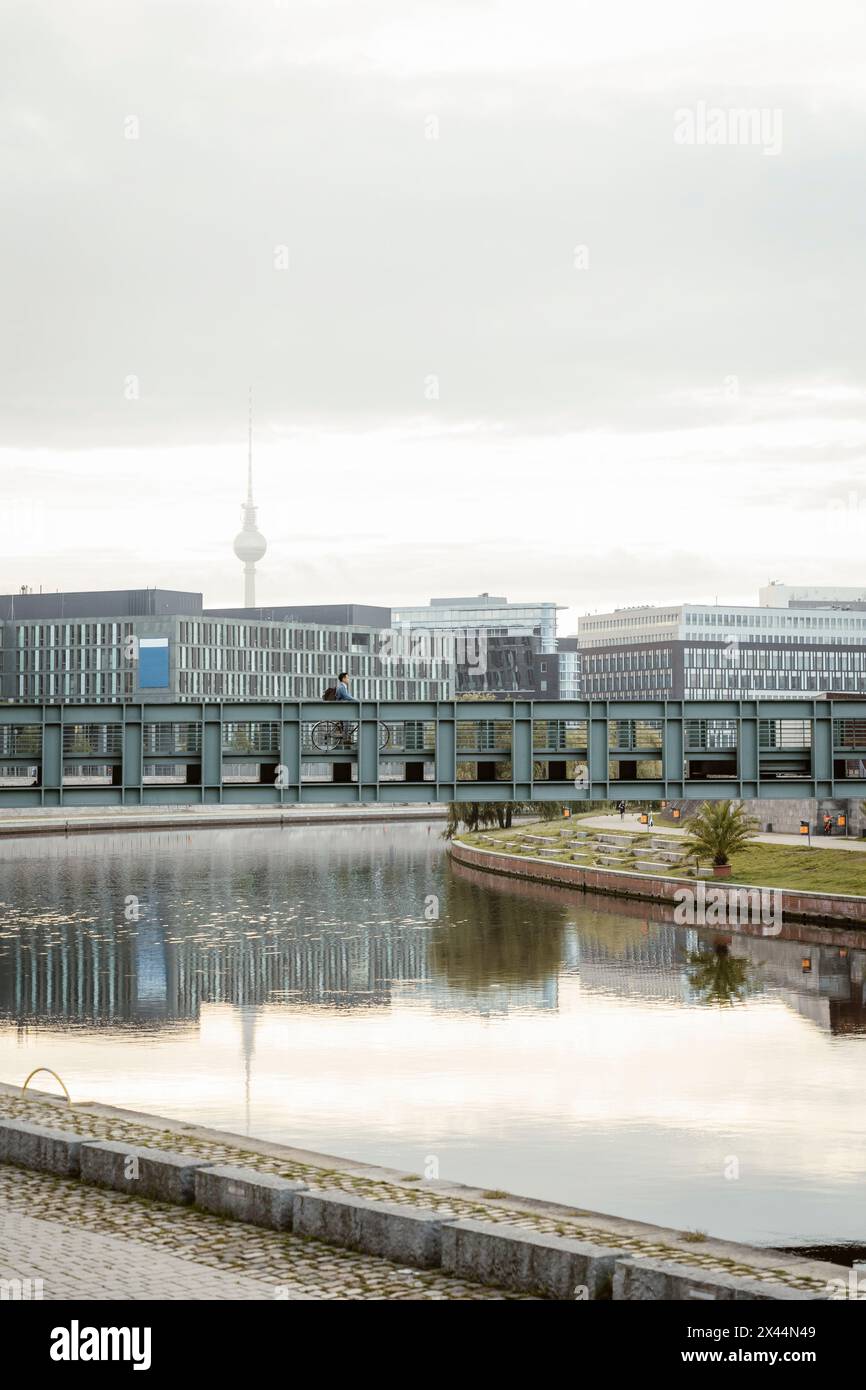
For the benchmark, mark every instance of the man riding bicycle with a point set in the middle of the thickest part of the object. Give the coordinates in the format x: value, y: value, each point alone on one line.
x: 342, y: 693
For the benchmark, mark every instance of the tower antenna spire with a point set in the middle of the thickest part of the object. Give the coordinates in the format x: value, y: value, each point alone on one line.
x: 250, y: 452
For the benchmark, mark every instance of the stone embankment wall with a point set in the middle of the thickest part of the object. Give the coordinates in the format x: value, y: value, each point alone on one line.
x: 797, y: 905
x: 579, y: 1260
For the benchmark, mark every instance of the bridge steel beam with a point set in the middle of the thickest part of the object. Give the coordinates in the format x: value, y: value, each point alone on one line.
x: 482, y: 750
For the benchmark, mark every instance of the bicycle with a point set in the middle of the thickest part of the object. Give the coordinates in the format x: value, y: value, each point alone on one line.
x: 329, y: 735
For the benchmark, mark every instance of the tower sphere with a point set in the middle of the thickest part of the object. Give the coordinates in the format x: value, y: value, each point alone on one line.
x: 250, y: 544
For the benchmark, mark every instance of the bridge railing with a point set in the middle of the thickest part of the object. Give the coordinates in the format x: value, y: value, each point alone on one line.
x: 297, y: 751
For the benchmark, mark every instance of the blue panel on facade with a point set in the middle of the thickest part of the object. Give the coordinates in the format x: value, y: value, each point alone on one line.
x: 153, y: 663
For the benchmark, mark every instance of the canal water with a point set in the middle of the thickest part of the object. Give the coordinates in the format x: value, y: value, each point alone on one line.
x: 347, y: 989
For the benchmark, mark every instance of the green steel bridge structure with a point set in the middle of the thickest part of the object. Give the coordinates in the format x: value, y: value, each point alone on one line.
x: 390, y: 751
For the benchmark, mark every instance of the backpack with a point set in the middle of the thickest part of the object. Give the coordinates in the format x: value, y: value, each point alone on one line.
x: 330, y: 693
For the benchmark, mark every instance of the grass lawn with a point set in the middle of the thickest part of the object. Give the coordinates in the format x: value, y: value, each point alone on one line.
x: 771, y: 866
x: 790, y: 866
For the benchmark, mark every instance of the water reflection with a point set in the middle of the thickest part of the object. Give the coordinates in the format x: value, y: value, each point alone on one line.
x: 719, y: 977
x: 291, y: 983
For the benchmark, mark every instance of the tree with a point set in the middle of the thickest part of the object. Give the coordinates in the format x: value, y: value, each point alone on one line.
x: 478, y: 815
x: 718, y: 830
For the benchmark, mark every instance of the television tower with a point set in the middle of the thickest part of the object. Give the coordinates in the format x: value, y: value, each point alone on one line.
x: 250, y: 545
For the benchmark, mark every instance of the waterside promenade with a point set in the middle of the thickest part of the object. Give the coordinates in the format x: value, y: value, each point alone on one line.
x: 103, y: 820
x: 85, y: 1240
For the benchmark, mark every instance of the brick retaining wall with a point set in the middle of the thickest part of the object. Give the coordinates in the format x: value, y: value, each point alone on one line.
x: 797, y: 905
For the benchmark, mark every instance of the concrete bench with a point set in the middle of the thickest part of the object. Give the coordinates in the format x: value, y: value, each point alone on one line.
x: 45, y: 1150
x: 246, y: 1195
x: 407, y: 1234
x: 637, y: 1278
x: 516, y: 1259
x: 166, y: 1177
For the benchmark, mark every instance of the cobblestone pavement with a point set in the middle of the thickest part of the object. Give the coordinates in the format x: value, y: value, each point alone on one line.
x: 72, y: 1264
x: 85, y: 1242
x: 411, y: 1190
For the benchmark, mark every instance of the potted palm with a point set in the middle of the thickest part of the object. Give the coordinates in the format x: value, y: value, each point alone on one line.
x: 719, y: 830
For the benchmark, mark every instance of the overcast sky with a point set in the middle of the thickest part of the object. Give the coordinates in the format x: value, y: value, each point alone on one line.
x: 511, y: 322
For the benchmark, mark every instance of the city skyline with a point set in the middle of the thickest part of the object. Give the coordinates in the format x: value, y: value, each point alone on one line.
x: 504, y: 331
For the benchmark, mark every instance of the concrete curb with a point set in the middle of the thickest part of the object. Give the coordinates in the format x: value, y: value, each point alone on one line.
x: 166, y: 1177
x: 504, y: 1256
x: 245, y: 1195
x: 637, y: 1278
x: 44, y: 1150
x: 407, y: 1235
x: 551, y: 1265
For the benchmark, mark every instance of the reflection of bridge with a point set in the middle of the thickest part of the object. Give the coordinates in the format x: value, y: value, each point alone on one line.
x: 282, y: 754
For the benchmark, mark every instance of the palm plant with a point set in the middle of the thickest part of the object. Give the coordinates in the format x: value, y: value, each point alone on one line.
x: 719, y: 830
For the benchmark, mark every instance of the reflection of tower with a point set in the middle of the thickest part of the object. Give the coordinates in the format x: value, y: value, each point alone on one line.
x: 249, y: 1018
x: 250, y: 545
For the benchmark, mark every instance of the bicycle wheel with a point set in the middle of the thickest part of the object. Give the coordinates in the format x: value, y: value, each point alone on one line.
x: 384, y: 735
x: 326, y: 736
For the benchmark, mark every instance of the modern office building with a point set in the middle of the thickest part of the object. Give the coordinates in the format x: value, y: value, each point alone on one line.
x: 484, y: 613
x: 570, y: 668
x: 710, y: 652
x: 328, y: 614
x: 506, y: 666
x: 161, y: 645
x: 777, y: 595
x: 500, y: 648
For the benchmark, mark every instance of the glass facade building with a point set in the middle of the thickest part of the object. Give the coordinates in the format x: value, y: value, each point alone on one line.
x: 711, y: 652
x: 483, y: 613
x: 190, y: 655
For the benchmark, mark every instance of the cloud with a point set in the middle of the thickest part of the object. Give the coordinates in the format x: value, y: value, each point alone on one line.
x: 492, y: 312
